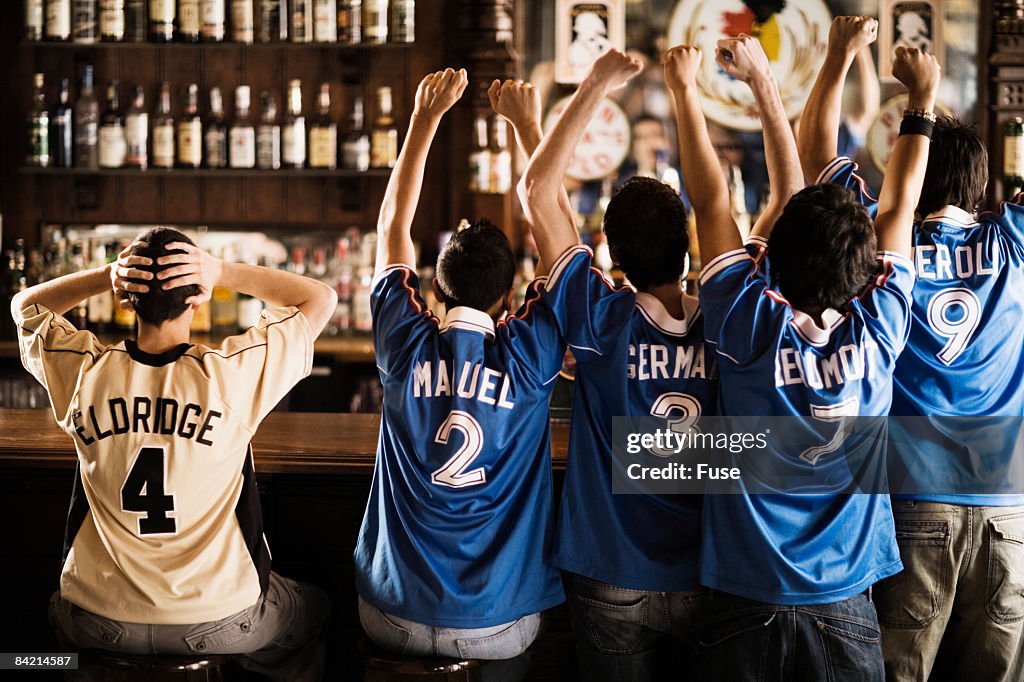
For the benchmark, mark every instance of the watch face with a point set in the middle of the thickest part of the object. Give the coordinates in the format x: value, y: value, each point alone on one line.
x: 886, y: 128
x: 604, y: 144
x: 794, y: 35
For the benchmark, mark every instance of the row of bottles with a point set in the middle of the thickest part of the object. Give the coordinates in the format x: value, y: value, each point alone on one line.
x: 81, y: 136
x: 349, y: 22
x: 490, y: 161
x: 346, y: 265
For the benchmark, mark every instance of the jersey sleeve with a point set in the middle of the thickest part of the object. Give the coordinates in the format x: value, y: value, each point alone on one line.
x: 887, y: 301
x: 534, y: 335
x: 843, y: 171
x: 400, y: 316
x: 255, y: 370
x: 591, y: 312
x: 1010, y: 219
x: 55, y: 353
x: 737, y: 308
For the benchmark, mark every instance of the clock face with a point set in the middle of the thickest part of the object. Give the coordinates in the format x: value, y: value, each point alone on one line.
x: 794, y: 35
x: 886, y: 128
x: 604, y: 144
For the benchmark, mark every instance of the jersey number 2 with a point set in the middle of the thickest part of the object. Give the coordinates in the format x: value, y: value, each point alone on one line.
x: 453, y: 474
x: 143, y: 493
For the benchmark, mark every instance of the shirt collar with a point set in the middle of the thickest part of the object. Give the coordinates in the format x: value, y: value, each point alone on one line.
x: 657, y: 315
x: 952, y: 214
x: 469, y: 319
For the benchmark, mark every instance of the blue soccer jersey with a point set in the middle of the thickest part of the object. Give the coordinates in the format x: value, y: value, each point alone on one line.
x: 965, y: 356
x: 458, y: 527
x: 820, y: 547
x: 632, y: 359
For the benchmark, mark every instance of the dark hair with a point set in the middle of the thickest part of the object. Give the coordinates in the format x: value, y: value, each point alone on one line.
x: 645, y: 224
x: 822, y: 249
x: 957, y: 168
x: 476, y: 267
x: 157, y: 305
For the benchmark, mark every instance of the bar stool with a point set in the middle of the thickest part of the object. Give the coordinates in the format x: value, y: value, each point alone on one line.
x: 117, y: 667
x: 383, y: 666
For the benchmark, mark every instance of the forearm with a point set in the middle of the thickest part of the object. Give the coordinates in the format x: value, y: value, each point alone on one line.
x: 275, y: 287
x: 901, y: 189
x: 784, y: 173
x: 868, y: 92
x: 62, y: 294
x: 819, y: 124
x: 394, y: 243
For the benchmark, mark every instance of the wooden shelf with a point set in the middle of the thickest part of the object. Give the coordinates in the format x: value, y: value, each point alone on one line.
x: 280, y: 45
x: 210, y: 172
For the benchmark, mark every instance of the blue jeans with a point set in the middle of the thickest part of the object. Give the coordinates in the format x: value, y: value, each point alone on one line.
x: 623, y: 634
x: 409, y: 638
x: 746, y: 640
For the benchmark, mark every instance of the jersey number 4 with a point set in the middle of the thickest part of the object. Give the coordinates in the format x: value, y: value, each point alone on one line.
x: 143, y: 493
x: 454, y: 473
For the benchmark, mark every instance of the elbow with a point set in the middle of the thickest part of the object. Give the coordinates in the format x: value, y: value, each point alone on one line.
x: 326, y: 296
x: 18, y: 303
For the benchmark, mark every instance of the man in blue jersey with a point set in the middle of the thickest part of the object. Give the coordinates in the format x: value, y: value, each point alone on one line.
x: 452, y: 556
x: 956, y: 609
x: 630, y: 561
x: 817, y: 337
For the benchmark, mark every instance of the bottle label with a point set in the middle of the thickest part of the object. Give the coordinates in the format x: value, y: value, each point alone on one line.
x: 212, y: 13
x: 325, y: 21
x: 242, y: 21
x: 216, y: 148
x: 161, y: 11
x: 268, y: 147
x: 243, y: 147
x: 357, y: 153
x: 136, y: 133
x: 188, y: 17
x: 384, y: 148
x: 112, y: 146
x: 1013, y: 155
x: 190, y: 143
x: 163, y: 146
x: 323, y: 147
x: 86, y: 140
x: 294, y: 144
x: 85, y: 21
x: 34, y: 17
x: 101, y: 308
x: 375, y: 21
x: 112, y: 19
x: 58, y: 19
x: 349, y: 22
x: 39, y: 142
x: 403, y: 21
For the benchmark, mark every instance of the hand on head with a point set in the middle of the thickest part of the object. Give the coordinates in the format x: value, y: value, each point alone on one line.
x: 438, y: 91
x: 125, y: 268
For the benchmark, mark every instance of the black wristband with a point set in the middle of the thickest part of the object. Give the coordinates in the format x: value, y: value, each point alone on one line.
x: 916, y: 125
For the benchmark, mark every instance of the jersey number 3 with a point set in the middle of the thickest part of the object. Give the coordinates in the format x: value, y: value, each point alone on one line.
x: 143, y: 493
x: 453, y: 474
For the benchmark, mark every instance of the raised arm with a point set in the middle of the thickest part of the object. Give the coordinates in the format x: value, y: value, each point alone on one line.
x: 705, y: 185
x: 865, y: 107
x: 64, y: 293
x: 540, y: 188
x: 435, y: 95
x: 518, y: 103
x: 904, y: 174
x: 819, y: 125
x: 743, y: 58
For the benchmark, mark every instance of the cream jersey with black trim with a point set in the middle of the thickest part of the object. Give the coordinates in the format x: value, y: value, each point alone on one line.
x: 165, y: 525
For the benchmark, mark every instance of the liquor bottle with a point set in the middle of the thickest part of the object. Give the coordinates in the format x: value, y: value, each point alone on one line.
x: 111, y: 21
x: 188, y: 21
x: 83, y: 22
x: 243, y: 135
x: 268, y: 135
x: 362, y: 319
x: 211, y: 13
x: 224, y: 303
x: 384, y: 137
x: 325, y: 21
x: 87, y: 123
x: 323, y: 134
x: 480, y: 157
x: 163, y: 130
x: 101, y: 306
x: 242, y: 22
x: 190, y: 131
x: 293, y: 145
x: 161, y: 21
x: 375, y: 21
x: 78, y: 315
x: 58, y: 20
x: 350, y: 21
x: 34, y: 20
x: 403, y: 21
x: 38, y: 127
x: 215, y: 133
x: 136, y: 21
x: 60, y: 128
x: 136, y: 131
x: 355, y: 149
x: 273, y: 21
x: 301, y: 21
x: 113, y: 147
x: 1013, y: 157
x: 124, y: 318
x: 501, y: 158
x: 297, y: 261
x: 738, y: 199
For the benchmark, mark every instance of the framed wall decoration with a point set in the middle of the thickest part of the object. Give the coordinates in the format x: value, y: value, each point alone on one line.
x: 583, y: 32
x: 908, y: 23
